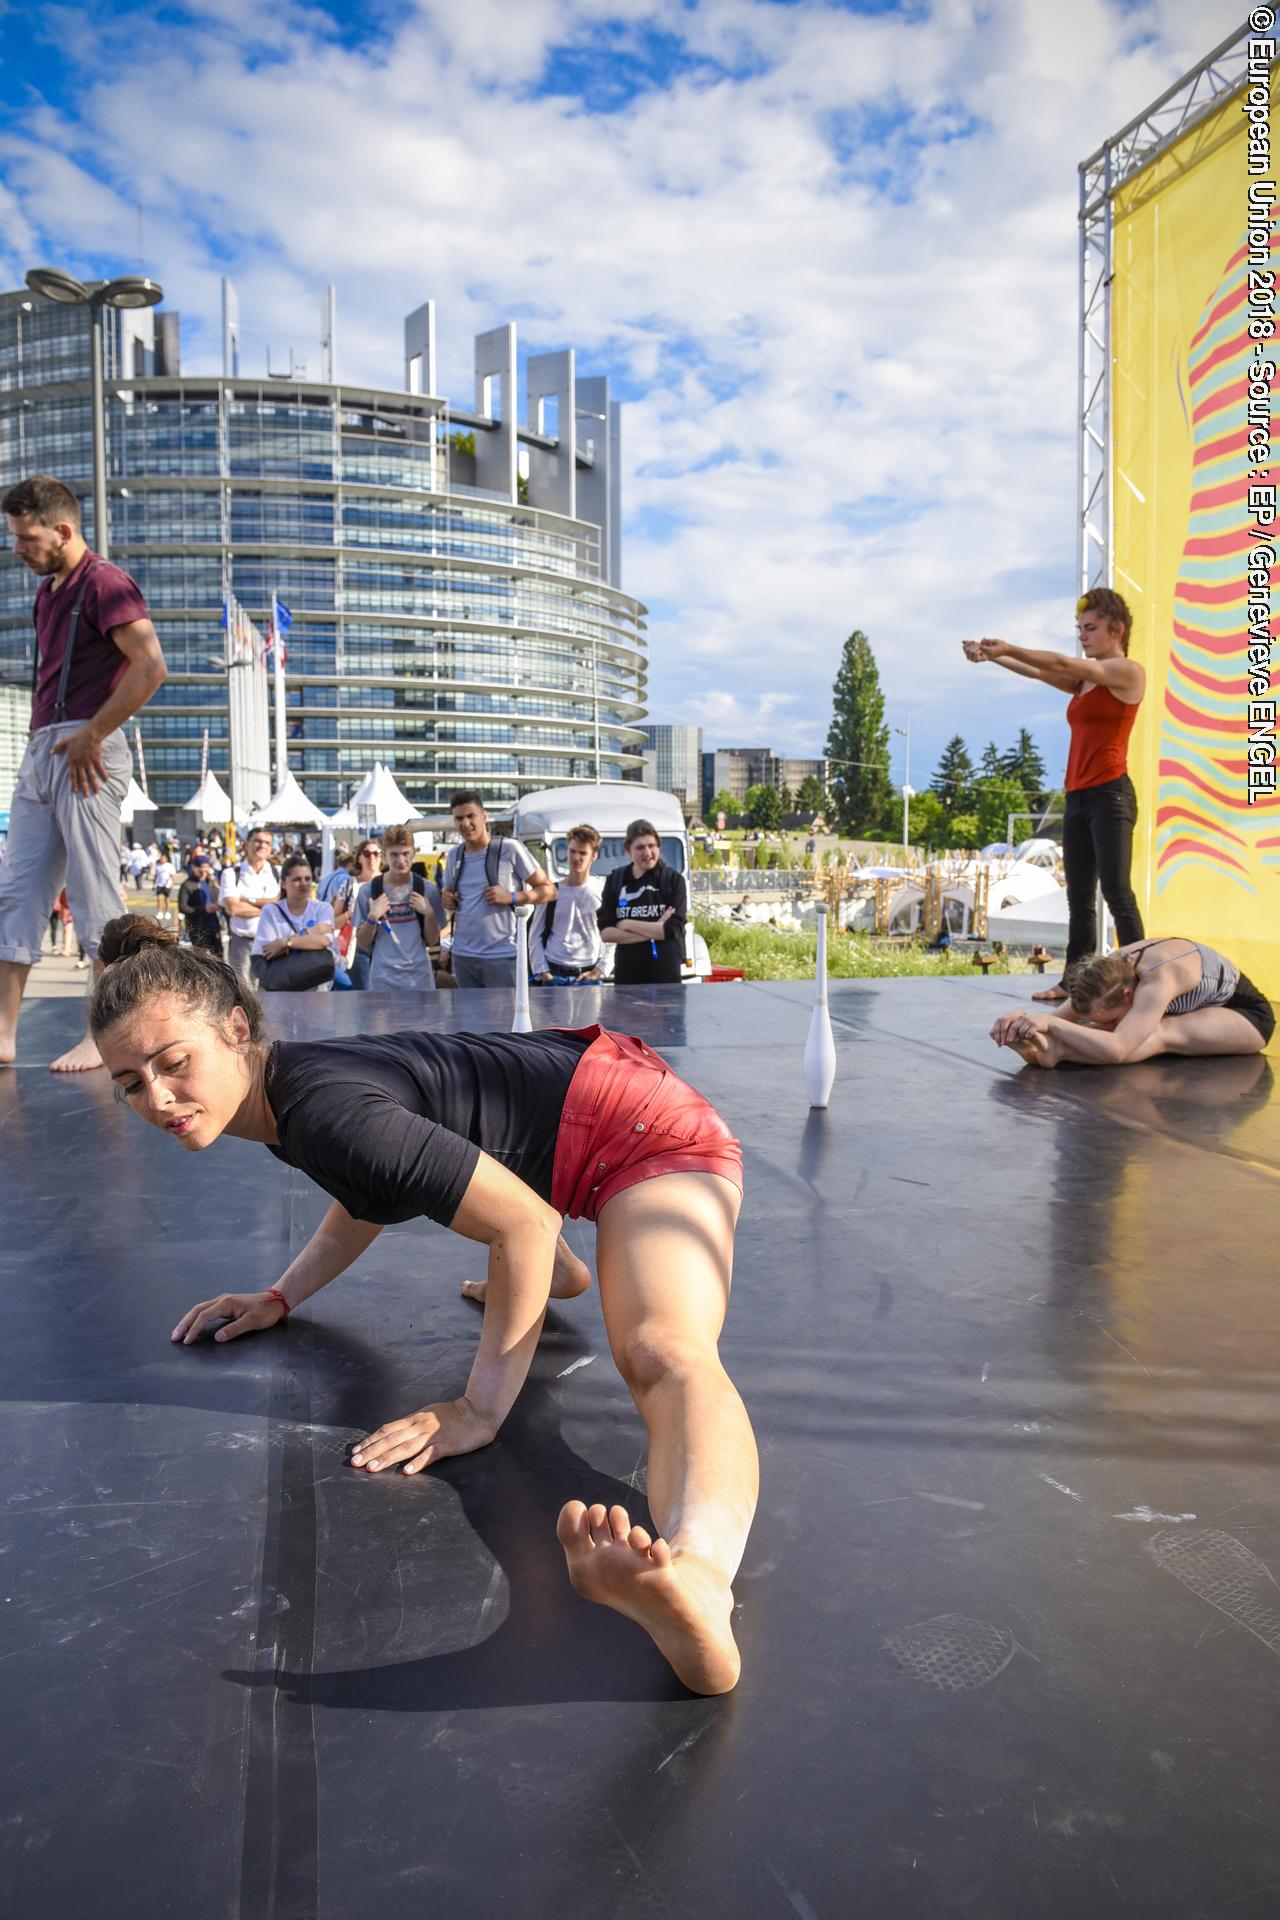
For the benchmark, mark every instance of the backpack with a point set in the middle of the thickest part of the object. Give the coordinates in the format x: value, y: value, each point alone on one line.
x: 492, y: 864
x: 378, y: 886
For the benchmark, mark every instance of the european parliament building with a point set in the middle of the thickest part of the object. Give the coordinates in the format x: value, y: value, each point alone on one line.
x: 453, y: 575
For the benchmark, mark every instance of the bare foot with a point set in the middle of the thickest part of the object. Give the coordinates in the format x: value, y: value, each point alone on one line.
x: 8, y: 1050
x: 569, y: 1277
x: 682, y: 1603
x: 78, y: 1059
x: 1054, y: 994
x: 1039, y: 1050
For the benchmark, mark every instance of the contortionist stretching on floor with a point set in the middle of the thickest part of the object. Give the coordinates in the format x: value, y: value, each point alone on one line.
x: 496, y: 1136
x: 1155, y: 996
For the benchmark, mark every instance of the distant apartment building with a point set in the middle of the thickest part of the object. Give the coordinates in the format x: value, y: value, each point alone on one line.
x: 733, y: 770
x: 673, y: 761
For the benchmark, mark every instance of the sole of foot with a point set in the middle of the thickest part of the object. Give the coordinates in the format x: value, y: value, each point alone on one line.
x: 78, y: 1059
x: 1039, y: 1051
x: 570, y: 1277
x: 683, y: 1605
x: 1053, y: 995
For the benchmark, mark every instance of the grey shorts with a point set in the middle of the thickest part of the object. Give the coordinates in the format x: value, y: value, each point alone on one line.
x: 57, y: 838
x: 484, y: 970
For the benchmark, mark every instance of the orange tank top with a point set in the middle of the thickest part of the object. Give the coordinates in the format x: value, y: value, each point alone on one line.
x: 1100, y: 728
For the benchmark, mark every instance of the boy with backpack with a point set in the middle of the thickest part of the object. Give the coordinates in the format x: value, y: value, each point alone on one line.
x: 485, y: 879
x: 564, y: 939
x: 397, y: 918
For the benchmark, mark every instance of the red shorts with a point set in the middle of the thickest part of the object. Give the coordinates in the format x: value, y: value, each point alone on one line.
x: 627, y: 1117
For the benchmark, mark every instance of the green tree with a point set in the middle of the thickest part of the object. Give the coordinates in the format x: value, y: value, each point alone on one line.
x: 954, y: 776
x: 989, y: 767
x: 1023, y: 763
x: 724, y: 803
x: 996, y: 800
x: 787, y: 799
x: 928, y: 820
x: 964, y: 830
x: 812, y: 797
x: 858, y: 739
x: 764, y: 807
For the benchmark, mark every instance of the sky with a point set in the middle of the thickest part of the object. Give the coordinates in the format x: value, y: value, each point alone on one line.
x: 826, y: 253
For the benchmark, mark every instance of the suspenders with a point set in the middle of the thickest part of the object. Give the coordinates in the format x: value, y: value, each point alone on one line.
x: 60, y: 703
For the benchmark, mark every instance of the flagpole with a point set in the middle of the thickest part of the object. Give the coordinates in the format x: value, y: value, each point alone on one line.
x: 277, y: 644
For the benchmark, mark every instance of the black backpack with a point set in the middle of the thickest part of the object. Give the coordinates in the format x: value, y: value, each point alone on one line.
x: 378, y: 885
x: 492, y: 864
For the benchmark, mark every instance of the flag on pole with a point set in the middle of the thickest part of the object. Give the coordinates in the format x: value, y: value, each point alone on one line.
x: 281, y: 621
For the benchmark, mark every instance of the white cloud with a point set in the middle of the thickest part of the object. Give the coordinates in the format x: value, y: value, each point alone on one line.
x: 832, y: 260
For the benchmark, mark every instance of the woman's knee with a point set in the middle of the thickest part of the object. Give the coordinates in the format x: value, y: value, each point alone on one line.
x: 657, y: 1351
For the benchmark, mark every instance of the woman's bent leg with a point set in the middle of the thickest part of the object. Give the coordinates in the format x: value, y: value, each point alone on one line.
x: 1213, y: 1030
x: 664, y: 1256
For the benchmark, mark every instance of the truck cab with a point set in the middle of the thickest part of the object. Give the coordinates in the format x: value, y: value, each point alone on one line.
x: 544, y: 820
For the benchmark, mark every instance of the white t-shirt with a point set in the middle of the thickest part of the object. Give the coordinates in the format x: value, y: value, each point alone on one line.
x: 242, y: 883
x: 277, y: 921
x: 164, y: 876
x: 575, y: 936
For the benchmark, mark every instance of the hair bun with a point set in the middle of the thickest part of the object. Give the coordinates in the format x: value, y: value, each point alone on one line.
x: 129, y: 933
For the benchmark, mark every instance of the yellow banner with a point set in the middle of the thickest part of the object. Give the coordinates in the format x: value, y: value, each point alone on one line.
x: 1188, y: 544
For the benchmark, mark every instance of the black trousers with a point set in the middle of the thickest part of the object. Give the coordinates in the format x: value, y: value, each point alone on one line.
x: 1097, y: 849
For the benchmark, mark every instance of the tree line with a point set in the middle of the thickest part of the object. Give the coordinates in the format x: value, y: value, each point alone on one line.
x: 963, y: 805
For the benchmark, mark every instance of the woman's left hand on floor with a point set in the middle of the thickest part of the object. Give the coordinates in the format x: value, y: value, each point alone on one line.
x: 433, y: 1433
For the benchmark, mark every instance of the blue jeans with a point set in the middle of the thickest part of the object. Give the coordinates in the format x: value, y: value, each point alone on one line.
x: 358, y: 970
x: 484, y: 970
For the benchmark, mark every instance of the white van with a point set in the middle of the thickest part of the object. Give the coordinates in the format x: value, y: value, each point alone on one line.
x: 543, y: 821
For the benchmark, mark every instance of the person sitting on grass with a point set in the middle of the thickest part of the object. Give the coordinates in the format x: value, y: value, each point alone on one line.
x: 499, y: 1137
x: 1125, y: 1007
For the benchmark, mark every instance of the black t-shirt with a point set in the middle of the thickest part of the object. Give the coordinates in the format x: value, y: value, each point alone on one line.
x: 631, y: 900
x: 393, y: 1124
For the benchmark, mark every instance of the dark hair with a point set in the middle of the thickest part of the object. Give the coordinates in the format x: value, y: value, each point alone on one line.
x: 587, y: 836
x: 466, y: 799
x: 294, y: 860
x: 369, y: 847
x: 141, y: 959
x: 637, y: 831
x: 1113, y: 607
x: 45, y: 499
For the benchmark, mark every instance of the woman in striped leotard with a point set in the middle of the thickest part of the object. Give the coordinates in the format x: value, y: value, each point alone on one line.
x: 1153, y: 996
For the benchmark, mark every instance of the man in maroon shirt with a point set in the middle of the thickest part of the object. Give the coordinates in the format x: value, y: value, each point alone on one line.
x: 97, y: 661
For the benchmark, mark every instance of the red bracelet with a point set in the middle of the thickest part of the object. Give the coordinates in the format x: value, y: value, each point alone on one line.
x: 274, y: 1293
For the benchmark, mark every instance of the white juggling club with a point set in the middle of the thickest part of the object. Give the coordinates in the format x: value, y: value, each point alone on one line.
x: 521, y: 1022
x: 820, y: 1047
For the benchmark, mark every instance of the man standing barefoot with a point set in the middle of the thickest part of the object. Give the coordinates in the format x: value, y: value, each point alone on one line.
x: 97, y: 661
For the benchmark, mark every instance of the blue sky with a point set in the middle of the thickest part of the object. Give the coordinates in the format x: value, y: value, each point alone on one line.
x: 825, y: 252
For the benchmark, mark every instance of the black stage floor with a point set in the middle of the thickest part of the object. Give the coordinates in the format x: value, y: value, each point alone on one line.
x: 1009, y: 1620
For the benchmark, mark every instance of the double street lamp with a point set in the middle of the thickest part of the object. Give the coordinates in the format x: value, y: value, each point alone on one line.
x: 129, y: 290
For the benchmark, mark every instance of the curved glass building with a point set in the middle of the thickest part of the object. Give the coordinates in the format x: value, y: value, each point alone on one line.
x: 452, y: 575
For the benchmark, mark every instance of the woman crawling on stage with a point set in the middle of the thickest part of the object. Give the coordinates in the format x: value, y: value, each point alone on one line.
x: 1125, y: 1007
x: 496, y: 1136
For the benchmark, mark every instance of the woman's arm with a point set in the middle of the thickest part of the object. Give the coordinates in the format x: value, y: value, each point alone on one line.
x: 1052, y: 669
x: 336, y: 1242
x: 520, y: 1231
x: 1103, y: 1048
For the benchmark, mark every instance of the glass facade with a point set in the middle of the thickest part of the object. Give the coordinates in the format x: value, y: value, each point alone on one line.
x: 461, y: 638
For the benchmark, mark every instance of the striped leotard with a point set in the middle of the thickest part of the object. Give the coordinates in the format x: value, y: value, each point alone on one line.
x: 1218, y: 977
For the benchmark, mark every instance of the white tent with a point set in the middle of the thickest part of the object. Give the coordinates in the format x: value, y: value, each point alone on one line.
x: 209, y: 803
x: 345, y: 820
x: 289, y: 807
x: 135, y: 802
x: 378, y: 790
x: 1037, y: 922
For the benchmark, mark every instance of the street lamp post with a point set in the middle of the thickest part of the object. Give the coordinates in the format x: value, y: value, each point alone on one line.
x: 129, y: 290
x: 907, y: 794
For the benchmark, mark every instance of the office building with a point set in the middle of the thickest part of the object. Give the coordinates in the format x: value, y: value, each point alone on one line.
x: 676, y: 762
x: 453, y: 572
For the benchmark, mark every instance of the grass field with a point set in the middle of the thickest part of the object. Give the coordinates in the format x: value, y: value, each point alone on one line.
x: 766, y: 955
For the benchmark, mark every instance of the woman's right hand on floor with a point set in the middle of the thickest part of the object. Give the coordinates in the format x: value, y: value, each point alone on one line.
x: 245, y: 1312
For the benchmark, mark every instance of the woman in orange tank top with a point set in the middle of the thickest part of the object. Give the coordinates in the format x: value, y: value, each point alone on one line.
x: 1106, y: 689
